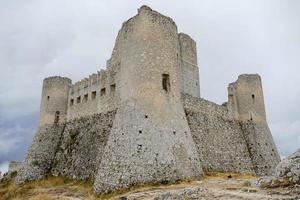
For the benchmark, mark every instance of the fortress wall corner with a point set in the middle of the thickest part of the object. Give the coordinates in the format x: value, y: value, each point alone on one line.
x: 189, y: 66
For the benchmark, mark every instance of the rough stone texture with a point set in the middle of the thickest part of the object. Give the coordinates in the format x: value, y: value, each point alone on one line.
x: 262, y: 149
x: 142, y: 119
x: 289, y: 168
x: 150, y: 140
x: 221, y: 145
x: 81, y: 146
x: 41, y: 153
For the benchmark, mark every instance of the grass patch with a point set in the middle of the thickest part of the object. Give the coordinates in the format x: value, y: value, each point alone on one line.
x: 46, y: 189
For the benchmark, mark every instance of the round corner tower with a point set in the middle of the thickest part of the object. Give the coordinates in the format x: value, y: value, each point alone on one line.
x: 54, y: 100
x: 246, y: 105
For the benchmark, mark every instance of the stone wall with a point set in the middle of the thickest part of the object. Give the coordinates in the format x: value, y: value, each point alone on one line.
x: 96, y: 94
x: 150, y: 140
x: 81, y: 147
x: 72, y: 149
x: 220, y: 142
x: 39, y: 158
x: 262, y: 149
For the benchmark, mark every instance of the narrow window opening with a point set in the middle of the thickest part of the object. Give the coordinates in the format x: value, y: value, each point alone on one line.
x: 112, y: 88
x: 146, y: 116
x: 94, y: 94
x: 85, y: 98
x: 174, y: 132
x: 71, y: 102
x: 166, y: 82
x: 102, y: 92
x: 56, y: 118
x: 253, y: 97
x: 48, y: 97
x: 78, y: 100
x: 140, y: 131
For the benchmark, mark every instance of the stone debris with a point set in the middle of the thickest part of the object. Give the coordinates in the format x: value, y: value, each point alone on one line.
x: 287, y: 172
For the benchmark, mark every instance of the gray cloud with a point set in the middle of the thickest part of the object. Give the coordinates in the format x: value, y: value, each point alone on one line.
x: 41, y: 38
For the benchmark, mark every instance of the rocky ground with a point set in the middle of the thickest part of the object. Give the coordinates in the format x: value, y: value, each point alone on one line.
x: 215, y: 186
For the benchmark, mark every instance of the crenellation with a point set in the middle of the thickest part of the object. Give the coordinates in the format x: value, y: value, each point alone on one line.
x: 141, y: 119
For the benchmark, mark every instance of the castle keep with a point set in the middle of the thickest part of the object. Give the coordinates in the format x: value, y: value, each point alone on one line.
x: 142, y: 120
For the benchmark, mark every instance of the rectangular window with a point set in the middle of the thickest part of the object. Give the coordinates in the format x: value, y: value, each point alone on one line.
x: 78, y: 100
x: 112, y: 88
x: 85, y: 98
x: 166, y: 82
x: 71, y: 102
x: 94, y: 93
x: 102, y: 92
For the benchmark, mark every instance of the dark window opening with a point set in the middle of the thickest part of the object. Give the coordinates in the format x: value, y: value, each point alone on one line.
x: 71, y: 102
x: 85, y: 98
x: 78, y: 100
x: 102, y: 92
x: 112, y: 88
x: 174, y: 132
x: 56, y: 118
x: 48, y: 97
x: 253, y: 97
x: 140, y: 131
x: 166, y: 82
x: 94, y: 94
x: 146, y: 116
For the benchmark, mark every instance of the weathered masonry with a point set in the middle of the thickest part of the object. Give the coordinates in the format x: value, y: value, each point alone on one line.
x: 142, y: 120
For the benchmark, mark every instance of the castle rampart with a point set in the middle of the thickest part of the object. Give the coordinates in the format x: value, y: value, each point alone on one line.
x: 141, y: 120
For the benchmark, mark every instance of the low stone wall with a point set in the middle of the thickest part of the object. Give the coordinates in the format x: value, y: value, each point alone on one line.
x: 219, y: 139
x: 83, y: 141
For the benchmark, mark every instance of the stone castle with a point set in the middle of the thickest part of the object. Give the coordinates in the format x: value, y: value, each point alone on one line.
x: 142, y: 120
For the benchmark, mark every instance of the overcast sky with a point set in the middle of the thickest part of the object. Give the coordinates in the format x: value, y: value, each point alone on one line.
x: 74, y: 38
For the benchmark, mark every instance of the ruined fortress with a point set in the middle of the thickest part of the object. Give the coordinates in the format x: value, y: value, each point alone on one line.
x: 142, y: 120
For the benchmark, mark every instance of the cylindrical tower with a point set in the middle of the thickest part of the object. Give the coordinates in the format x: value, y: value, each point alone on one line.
x: 54, y: 101
x: 150, y: 140
x: 246, y: 105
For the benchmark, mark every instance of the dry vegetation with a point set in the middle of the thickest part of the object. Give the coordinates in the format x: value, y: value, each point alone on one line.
x: 233, y: 186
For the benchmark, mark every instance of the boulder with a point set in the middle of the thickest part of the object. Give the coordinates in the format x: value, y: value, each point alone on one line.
x: 289, y: 168
x: 287, y: 172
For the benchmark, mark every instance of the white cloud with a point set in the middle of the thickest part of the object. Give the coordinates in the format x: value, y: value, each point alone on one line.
x: 287, y: 136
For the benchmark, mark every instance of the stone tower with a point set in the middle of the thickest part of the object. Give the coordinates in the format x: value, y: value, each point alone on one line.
x: 150, y: 140
x: 53, y: 112
x: 246, y: 105
x: 189, y: 66
x: 54, y: 100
